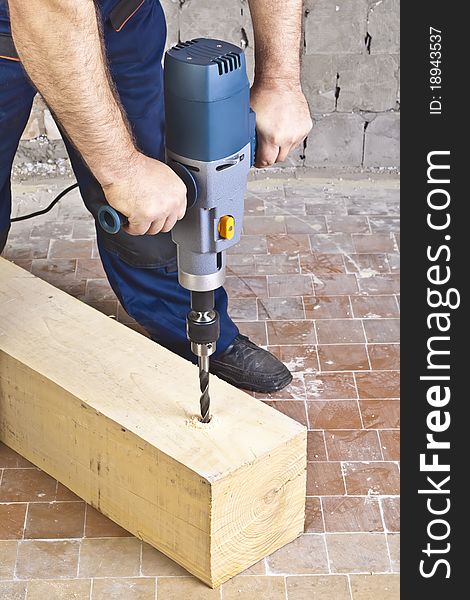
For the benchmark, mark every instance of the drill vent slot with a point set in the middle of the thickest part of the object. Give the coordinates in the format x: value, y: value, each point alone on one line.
x: 228, y: 62
x: 182, y: 45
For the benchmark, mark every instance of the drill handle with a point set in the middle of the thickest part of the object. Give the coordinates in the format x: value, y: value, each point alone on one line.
x: 111, y: 220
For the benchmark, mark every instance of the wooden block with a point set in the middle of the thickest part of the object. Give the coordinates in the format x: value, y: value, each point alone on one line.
x: 114, y: 417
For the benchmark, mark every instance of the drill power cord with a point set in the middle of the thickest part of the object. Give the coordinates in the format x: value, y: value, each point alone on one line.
x: 43, y: 211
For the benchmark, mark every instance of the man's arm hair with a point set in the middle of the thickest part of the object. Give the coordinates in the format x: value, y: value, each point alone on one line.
x: 277, y: 26
x: 60, y: 45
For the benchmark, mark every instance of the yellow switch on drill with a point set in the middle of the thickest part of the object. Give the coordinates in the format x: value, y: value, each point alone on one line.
x: 227, y: 227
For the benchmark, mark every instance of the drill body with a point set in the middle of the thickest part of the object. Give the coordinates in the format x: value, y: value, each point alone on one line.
x: 210, y: 132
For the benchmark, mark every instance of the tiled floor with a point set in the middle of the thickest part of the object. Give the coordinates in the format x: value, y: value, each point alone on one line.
x: 315, y: 279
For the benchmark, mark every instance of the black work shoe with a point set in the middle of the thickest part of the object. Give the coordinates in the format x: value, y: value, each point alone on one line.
x: 247, y: 366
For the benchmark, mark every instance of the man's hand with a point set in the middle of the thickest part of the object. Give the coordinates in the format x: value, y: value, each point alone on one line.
x: 282, y: 120
x: 151, y: 196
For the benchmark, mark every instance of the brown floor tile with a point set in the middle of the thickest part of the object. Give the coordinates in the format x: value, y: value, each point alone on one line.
x: 71, y: 249
x: 371, y: 587
x: 43, y: 560
x: 107, y: 307
x: 330, y: 386
x: 8, y: 550
x: 99, y: 526
x: 365, y: 479
x: 65, y: 495
x: 373, y: 307
x: 316, y: 449
x: 76, y: 589
x: 347, y: 224
x: 284, y: 206
x: 366, y: 206
x: 291, y: 332
x: 313, y: 516
x: 380, y: 414
x: 352, y: 514
x: 254, y: 205
x: 325, y: 479
x: 263, y: 225
x: 240, y: 264
x: 280, y: 308
x: 384, y: 356
x: 302, y: 358
x: 343, y: 357
x: 325, y: 206
x: 295, y: 409
x: 384, y: 224
x: 378, y: 384
x: 340, y: 331
x: 118, y: 589
x: 248, y: 588
x: 382, y: 330
x: 156, y: 564
x: 55, y: 520
x: 24, y: 264
x: 54, y: 271
x: 12, y: 590
x: 250, y: 244
x: 90, y: 268
x: 393, y: 540
x: 318, y: 587
x: 246, y: 287
x: 358, y: 552
x: 110, y: 557
x: 379, y: 284
x: 12, y: 521
x: 322, y: 264
x: 282, y: 243
x: 361, y: 444
x: 373, y: 242
x: 394, y: 262
x: 294, y: 391
x: 84, y: 229
x: 179, y: 588
x: 255, y: 330
x: 276, y: 264
x: 243, y: 309
x: 367, y: 265
x: 27, y: 485
x: 52, y: 229
x: 25, y: 249
x: 334, y: 414
x: 99, y: 290
x: 335, y: 285
x: 327, y: 307
x: 306, y: 224
x: 331, y: 243
x: 391, y: 513
x: 289, y: 285
x: 306, y: 554
x: 390, y: 442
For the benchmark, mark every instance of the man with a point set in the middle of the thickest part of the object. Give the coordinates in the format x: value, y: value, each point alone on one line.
x: 97, y: 64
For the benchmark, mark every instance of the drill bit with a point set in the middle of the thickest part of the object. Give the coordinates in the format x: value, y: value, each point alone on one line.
x: 203, y: 362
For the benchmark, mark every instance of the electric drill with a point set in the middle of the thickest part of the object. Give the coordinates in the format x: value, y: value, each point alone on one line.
x: 210, y: 143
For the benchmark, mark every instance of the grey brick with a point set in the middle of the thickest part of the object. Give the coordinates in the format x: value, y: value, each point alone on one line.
x: 384, y: 26
x: 203, y: 18
x: 367, y: 82
x: 335, y: 26
x: 335, y: 141
x: 319, y: 82
x: 171, y: 9
x: 382, y: 141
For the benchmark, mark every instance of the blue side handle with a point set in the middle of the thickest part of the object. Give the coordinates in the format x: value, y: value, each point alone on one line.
x: 253, y: 136
x: 111, y: 220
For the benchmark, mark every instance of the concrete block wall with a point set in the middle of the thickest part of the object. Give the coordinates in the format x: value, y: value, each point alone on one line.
x: 350, y: 75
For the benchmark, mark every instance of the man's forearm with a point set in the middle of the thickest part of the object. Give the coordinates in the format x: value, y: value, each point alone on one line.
x: 277, y: 25
x: 60, y: 46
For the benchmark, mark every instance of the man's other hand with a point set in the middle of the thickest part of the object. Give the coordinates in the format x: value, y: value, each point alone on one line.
x: 151, y: 196
x: 282, y: 120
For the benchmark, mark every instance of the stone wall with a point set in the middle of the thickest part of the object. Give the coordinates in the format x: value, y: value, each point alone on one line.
x: 350, y: 74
